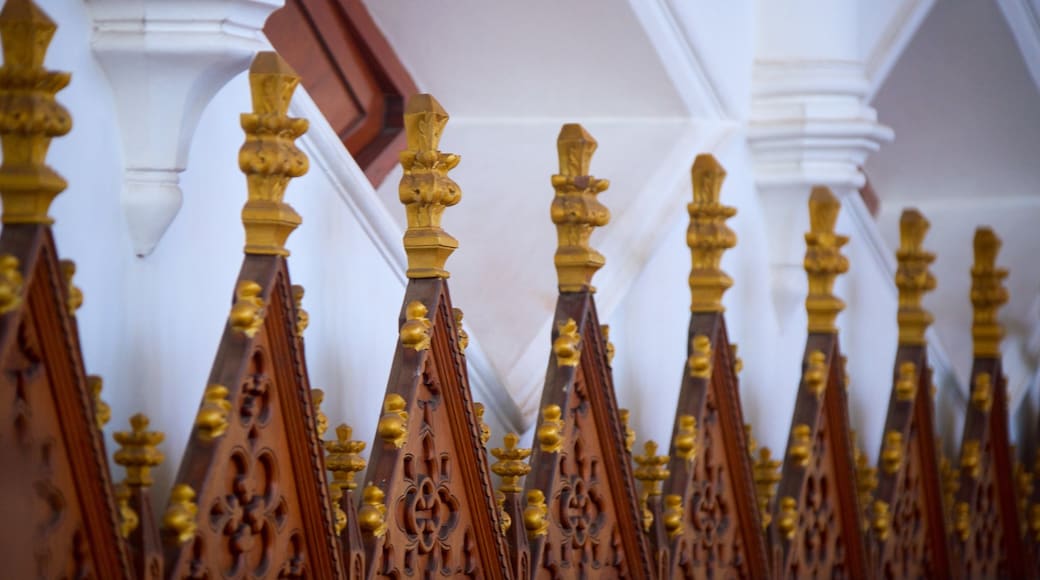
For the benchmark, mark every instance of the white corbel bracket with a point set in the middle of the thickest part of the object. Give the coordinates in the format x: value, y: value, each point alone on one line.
x: 165, y: 61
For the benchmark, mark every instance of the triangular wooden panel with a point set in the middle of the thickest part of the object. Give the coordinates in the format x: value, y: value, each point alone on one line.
x: 907, y: 526
x: 580, y: 465
x: 59, y: 507
x: 722, y: 530
x: 428, y: 473
x: 259, y: 474
x: 816, y: 521
x: 987, y: 536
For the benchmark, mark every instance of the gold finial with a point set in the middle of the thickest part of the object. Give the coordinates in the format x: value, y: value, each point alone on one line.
x: 303, y: 318
x: 415, y: 332
x: 815, y: 376
x: 970, y: 458
x: 181, y: 513
x: 269, y: 157
x: 766, y: 472
x: 344, y: 458
x: 892, y: 452
x: 608, y: 349
x: 12, y: 285
x: 321, y: 421
x: 652, y: 470
x: 485, y: 431
x: 699, y: 362
x: 505, y: 521
x: 823, y: 261
x: 137, y: 451
x: 212, y: 418
x: 788, y: 517
x: 685, y: 441
x: 128, y: 518
x: 882, y: 520
x: 75, y: 295
x: 247, y: 315
x: 987, y: 294
x: 102, y: 412
x: 372, y: 515
x: 463, y: 335
x: 673, y: 515
x: 982, y: 394
x: 630, y: 433
x: 536, y: 515
x: 567, y: 346
x: 962, y: 520
x: 29, y: 115
x: 393, y: 425
x: 801, y: 444
x: 576, y: 211
x: 512, y: 463
x: 426, y: 190
x: 906, y: 384
x: 708, y: 236
x: 913, y: 277
x: 550, y: 432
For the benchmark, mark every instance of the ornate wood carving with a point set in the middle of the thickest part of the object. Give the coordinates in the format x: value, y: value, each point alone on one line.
x: 252, y: 499
x: 59, y: 509
x: 589, y: 524
x: 987, y: 536
x: 816, y: 520
x: 429, y: 507
x: 351, y: 72
x: 906, y: 515
x: 710, y: 466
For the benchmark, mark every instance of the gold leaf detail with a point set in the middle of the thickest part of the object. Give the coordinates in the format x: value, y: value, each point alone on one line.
x: 102, y: 412
x: 321, y: 421
x: 906, y: 384
x: 788, y: 517
x: 987, y: 294
x: 567, y: 346
x: 801, y: 445
x: 982, y: 394
x: 823, y: 261
x: 913, y: 278
x: 463, y: 335
x: 962, y: 520
x: 511, y: 464
x: 505, y: 522
x: 247, y: 315
x: 550, y: 432
x: 866, y: 479
x: 699, y: 361
x: 485, y: 431
x: 892, y: 452
x: 708, y: 236
x: 11, y: 282
x: 536, y: 519
x: 604, y: 329
x: 212, y: 418
x: 815, y: 376
x: 393, y: 425
x: 766, y: 475
x: 138, y: 451
x: 128, y: 518
x: 415, y: 332
x: 372, y: 514
x: 652, y: 470
x: 970, y: 458
x: 673, y: 515
x: 75, y: 296
x: 630, y: 433
x: 303, y: 318
x: 738, y: 363
x: 882, y: 520
x: 685, y: 442
x: 181, y: 513
x: 344, y: 458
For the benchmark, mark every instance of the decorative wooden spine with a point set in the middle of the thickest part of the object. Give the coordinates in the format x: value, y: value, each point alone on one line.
x: 580, y: 467
x: 429, y: 506
x: 711, y: 470
x: 816, y: 519
x: 987, y: 537
x: 345, y: 462
x: 59, y: 507
x: 250, y: 499
x: 906, y: 515
x: 511, y: 466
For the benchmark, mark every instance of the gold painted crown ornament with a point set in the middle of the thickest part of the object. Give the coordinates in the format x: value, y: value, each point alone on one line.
x: 576, y: 211
x: 138, y: 451
x: 913, y: 277
x: 708, y: 236
x: 426, y: 189
x: 29, y: 115
x: 823, y: 261
x: 269, y: 158
x: 987, y: 294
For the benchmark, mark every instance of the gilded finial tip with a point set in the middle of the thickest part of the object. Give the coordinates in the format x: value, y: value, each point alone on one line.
x: 987, y: 244
x: 707, y: 171
x: 823, y: 210
x: 576, y: 147
x: 576, y: 211
x: 912, y: 228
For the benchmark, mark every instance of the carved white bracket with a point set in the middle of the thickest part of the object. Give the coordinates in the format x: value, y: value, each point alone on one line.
x: 165, y: 61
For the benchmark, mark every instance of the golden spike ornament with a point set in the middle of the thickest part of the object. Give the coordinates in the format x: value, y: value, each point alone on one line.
x: 102, y: 412
x: 417, y: 329
x: 344, y: 458
x: 372, y: 513
x: 800, y: 449
x: 892, y: 452
x: 75, y: 295
x: 576, y: 211
x: 462, y: 334
x: 630, y: 433
x: 567, y: 346
x: 511, y: 464
x: 248, y: 312
x: 913, y: 278
x: 269, y: 157
x: 303, y: 318
x: 982, y: 393
x: 180, y: 516
x: 708, y: 236
x: 393, y: 425
x: 685, y: 441
x: 988, y: 294
x: 699, y: 362
x: 823, y: 261
x: 766, y: 472
x: 425, y: 189
x: 536, y: 515
x: 550, y: 432
x: 906, y: 384
x: 138, y: 451
x: 212, y: 419
x: 29, y: 115
x: 12, y: 285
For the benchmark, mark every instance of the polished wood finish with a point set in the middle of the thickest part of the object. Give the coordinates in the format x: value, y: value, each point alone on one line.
x: 594, y: 519
x: 722, y: 527
x: 826, y: 539
x: 351, y: 72
x: 59, y: 511
x: 441, y: 517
